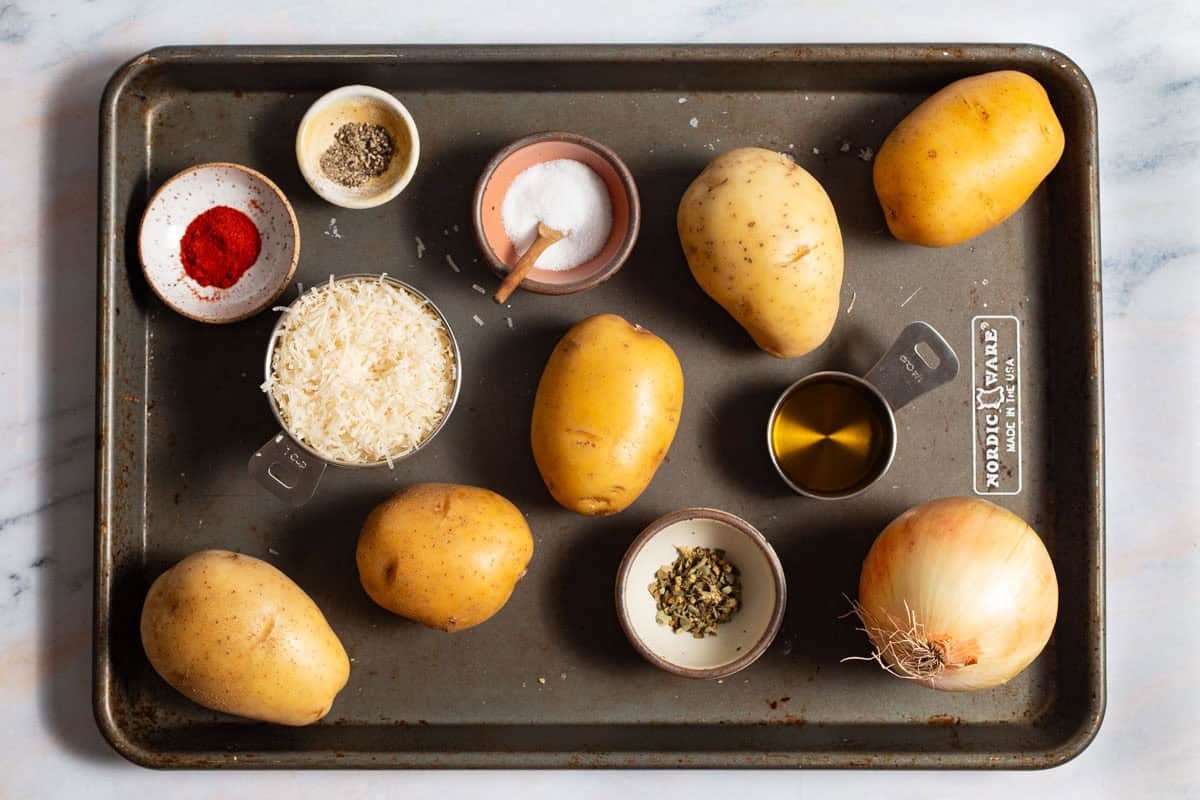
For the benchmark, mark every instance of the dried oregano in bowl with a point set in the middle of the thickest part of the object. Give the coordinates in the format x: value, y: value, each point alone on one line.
x: 698, y: 592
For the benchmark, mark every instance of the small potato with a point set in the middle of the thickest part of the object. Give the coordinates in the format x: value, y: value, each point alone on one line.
x: 762, y: 239
x: 606, y: 410
x: 235, y: 634
x: 443, y: 555
x: 967, y: 158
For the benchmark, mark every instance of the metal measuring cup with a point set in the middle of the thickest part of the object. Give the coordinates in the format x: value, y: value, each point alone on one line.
x: 919, y: 361
x: 291, y: 470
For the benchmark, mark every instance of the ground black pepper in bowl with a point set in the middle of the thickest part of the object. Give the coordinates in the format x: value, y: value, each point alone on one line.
x: 360, y: 151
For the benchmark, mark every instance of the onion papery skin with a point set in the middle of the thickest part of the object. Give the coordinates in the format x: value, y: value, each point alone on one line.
x: 968, y: 581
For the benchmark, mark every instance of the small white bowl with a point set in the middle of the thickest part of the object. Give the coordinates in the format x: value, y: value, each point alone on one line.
x: 738, y: 642
x: 189, y: 194
x: 357, y: 104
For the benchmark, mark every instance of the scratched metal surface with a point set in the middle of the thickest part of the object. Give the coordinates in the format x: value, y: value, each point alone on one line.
x: 180, y: 411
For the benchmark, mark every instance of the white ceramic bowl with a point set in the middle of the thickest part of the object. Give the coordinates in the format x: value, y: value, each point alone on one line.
x: 189, y: 194
x: 739, y: 642
x: 357, y: 104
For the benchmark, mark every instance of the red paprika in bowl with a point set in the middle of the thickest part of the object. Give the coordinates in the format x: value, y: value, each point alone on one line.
x: 219, y: 242
x: 219, y: 246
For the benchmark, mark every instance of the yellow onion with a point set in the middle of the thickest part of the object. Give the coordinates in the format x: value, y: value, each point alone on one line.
x: 957, y: 594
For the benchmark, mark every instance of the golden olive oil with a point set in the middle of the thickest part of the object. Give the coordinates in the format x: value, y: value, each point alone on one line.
x: 831, y: 436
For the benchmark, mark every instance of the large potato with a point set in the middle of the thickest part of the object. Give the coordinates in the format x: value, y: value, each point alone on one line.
x: 443, y: 555
x: 235, y: 634
x: 762, y: 239
x: 605, y: 413
x: 967, y: 158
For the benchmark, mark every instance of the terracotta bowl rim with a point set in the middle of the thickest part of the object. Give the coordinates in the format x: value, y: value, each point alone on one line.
x: 627, y: 182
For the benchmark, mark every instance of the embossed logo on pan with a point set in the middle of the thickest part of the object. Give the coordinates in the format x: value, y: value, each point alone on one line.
x: 996, y: 404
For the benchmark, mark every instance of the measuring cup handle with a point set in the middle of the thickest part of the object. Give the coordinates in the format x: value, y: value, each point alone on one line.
x: 919, y: 361
x: 285, y: 470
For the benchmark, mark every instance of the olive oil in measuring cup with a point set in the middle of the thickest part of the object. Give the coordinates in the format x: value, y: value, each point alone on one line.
x: 831, y: 436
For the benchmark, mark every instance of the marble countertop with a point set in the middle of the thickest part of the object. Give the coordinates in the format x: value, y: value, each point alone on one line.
x: 1145, y: 66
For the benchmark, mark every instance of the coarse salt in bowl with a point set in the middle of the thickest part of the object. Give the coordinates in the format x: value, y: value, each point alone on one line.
x: 502, y: 254
x: 567, y: 196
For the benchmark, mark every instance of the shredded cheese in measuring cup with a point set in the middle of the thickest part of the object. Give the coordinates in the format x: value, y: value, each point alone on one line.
x: 362, y: 371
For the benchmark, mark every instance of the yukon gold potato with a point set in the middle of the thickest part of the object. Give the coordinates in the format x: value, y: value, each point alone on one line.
x: 762, y: 239
x: 443, y: 555
x: 967, y: 158
x: 235, y: 634
x: 605, y: 413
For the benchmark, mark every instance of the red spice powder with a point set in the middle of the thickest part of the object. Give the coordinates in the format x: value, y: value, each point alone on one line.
x: 219, y: 246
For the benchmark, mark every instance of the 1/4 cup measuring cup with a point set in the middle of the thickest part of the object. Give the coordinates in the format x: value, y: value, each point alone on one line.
x: 290, y: 469
x: 831, y: 434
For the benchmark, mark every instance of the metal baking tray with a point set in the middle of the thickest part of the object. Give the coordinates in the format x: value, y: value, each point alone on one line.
x: 180, y: 411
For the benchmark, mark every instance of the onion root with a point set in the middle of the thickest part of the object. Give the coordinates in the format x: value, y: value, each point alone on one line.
x: 902, y: 648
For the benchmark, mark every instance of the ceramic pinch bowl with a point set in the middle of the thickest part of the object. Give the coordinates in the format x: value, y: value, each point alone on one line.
x: 189, y: 194
x: 357, y: 104
x: 508, y: 163
x: 738, y: 642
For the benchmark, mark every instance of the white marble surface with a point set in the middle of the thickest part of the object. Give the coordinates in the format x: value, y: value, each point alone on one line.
x: 1145, y: 65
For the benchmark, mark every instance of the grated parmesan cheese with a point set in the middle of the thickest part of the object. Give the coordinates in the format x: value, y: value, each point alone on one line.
x: 362, y: 371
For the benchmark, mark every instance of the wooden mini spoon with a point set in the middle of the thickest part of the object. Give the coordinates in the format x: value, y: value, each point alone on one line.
x: 546, y: 237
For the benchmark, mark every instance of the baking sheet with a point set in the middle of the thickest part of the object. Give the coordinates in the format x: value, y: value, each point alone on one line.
x: 180, y: 411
